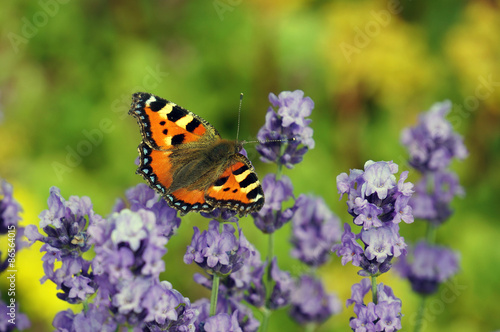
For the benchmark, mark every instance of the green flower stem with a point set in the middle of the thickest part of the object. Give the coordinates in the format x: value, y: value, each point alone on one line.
x: 430, y: 235
x: 270, y: 253
x: 85, y: 305
x: 374, y: 289
x: 268, y: 280
x: 420, y: 314
x: 310, y: 327
x: 265, y: 320
x: 215, y: 295
x: 215, y: 282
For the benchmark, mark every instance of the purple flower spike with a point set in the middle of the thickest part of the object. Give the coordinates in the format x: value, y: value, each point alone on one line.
x: 289, y: 122
x: 315, y: 230
x: 428, y: 267
x: 270, y: 218
x: 9, y: 219
x: 145, y: 198
x: 223, y: 323
x: 378, y: 202
x: 435, y: 206
x: 218, y: 252
x: 66, y: 224
x: 94, y: 319
x: 9, y: 208
x: 283, y: 287
x: 310, y: 302
x: 22, y: 322
x: 383, y: 316
x: 372, y: 194
x: 432, y: 143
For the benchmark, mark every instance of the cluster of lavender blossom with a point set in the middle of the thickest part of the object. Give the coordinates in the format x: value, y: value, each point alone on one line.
x: 10, y: 316
x: 244, y: 276
x: 378, y: 202
x: 121, y: 287
x: 432, y: 145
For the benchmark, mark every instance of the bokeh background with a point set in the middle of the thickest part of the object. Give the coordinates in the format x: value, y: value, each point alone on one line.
x: 68, y: 69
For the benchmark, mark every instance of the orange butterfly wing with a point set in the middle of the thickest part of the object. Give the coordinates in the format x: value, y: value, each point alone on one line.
x: 237, y: 188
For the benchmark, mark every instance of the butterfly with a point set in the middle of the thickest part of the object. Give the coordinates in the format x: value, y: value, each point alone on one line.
x: 187, y: 162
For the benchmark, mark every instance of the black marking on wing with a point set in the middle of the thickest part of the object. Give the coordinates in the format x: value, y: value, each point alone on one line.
x: 176, y: 113
x: 184, y: 207
x: 178, y: 139
x: 240, y: 170
x: 157, y: 105
x: 251, y: 178
x: 254, y: 192
x: 191, y: 126
x: 221, y: 181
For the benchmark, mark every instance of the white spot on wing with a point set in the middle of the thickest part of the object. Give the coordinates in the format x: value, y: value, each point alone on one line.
x: 150, y: 100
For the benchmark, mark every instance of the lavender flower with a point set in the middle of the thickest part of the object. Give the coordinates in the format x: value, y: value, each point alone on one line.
x: 9, y: 219
x: 432, y: 144
x: 9, y: 209
x: 228, y: 306
x: 289, y: 122
x: 377, y: 203
x: 143, y: 197
x: 247, y: 284
x: 310, y: 302
x: 430, y: 266
x: 217, y: 252
x: 373, y: 194
x: 129, y: 248
x: 434, y: 205
x: 385, y: 315
x: 10, y: 314
x: 94, y: 319
x: 127, y: 245
x: 225, y: 215
x: 283, y: 287
x: 315, y: 230
x: 222, y: 323
x: 65, y: 223
x: 349, y: 248
x: 270, y: 218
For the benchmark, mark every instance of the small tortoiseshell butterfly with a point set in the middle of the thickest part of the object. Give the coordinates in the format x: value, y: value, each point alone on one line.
x: 185, y: 160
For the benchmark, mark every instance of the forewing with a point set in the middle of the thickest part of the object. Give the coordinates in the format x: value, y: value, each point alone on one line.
x: 165, y: 125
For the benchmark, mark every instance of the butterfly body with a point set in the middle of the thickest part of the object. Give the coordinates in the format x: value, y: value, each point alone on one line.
x: 184, y: 158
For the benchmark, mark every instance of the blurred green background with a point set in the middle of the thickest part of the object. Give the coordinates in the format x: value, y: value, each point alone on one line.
x: 68, y: 69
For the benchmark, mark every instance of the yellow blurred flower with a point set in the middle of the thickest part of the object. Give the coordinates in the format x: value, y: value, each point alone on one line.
x: 369, y: 47
x: 473, y: 47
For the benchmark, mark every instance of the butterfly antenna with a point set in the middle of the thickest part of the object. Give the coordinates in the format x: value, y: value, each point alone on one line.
x: 271, y: 140
x: 239, y: 117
